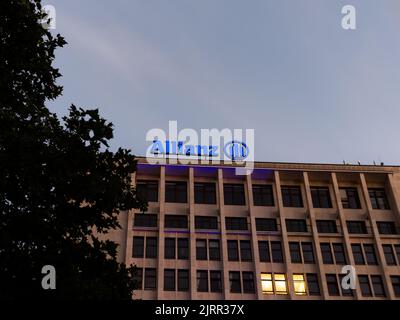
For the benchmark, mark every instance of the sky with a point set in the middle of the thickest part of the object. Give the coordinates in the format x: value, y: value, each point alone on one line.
x: 312, y: 91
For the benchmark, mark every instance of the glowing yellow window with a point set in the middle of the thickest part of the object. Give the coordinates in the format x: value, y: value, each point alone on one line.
x: 266, y: 283
x: 280, y: 283
x: 299, y: 284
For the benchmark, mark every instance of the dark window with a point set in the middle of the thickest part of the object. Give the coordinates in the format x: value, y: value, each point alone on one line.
x: 326, y: 252
x: 321, y: 197
x: 204, y: 193
x: 138, y: 247
x: 169, y: 279
x: 291, y: 196
x: 365, y: 286
x: 377, y: 285
x: 234, y: 282
x: 264, y: 224
x: 313, y: 284
x: 138, y: 278
x: 147, y: 190
x: 397, y: 249
x: 295, y: 253
x: 378, y: 199
x: 370, y: 255
x: 263, y: 251
x: 262, y: 195
x: 215, y: 281
x: 234, y: 194
x: 214, y: 251
x: 145, y: 220
x: 356, y: 227
x: 296, y: 225
x: 245, y: 250
x: 357, y: 253
x: 333, y: 288
x: 183, y: 280
x: 202, y: 280
x: 338, y: 250
x: 276, y: 251
x: 389, y: 255
x: 386, y: 227
x: 308, y: 252
x: 183, y: 248
x: 396, y: 285
x: 326, y: 226
x: 176, y: 221
x: 233, y: 250
x: 345, y: 292
x: 248, y: 282
x: 201, y: 249
x: 350, y: 199
x: 176, y: 191
x: 236, y: 223
x: 151, y: 247
x: 204, y: 222
x: 150, y: 279
x: 169, y: 248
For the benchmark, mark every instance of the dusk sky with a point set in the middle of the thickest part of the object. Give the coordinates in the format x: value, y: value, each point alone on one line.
x: 312, y: 91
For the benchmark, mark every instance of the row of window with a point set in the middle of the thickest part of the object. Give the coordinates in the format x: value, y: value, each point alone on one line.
x: 234, y: 194
x: 262, y: 224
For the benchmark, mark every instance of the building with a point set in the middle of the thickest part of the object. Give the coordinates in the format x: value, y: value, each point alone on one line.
x: 283, y: 232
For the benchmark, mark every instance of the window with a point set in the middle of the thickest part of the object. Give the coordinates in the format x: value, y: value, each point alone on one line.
x: 350, y: 199
x: 386, y: 227
x: 183, y: 248
x: 276, y: 250
x: 356, y: 227
x: 370, y: 255
x: 299, y: 284
x: 377, y: 285
x: 150, y: 279
x: 234, y: 282
x: 169, y: 248
x: 389, y: 255
x: 333, y: 288
x: 147, y: 190
x: 204, y: 193
x: 138, y: 278
x: 202, y: 281
x: 233, y: 250
x: 313, y: 284
x: 236, y: 223
x: 234, y: 194
x: 215, y: 281
x: 296, y: 225
x: 326, y: 226
x: 357, y: 253
x: 397, y: 249
x: 176, y: 221
x: 266, y: 283
x: 295, y: 254
x: 291, y: 196
x: 204, y: 222
x: 262, y: 195
x: 365, y: 286
x: 245, y: 250
x: 145, y: 220
x: 138, y: 247
x: 214, y: 251
x: 201, y: 249
x: 378, y: 199
x: 264, y: 224
x: 396, y: 285
x: 176, y: 191
x: 338, y: 250
x: 183, y: 280
x: 308, y: 252
x: 326, y: 252
x: 151, y: 247
x: 263, y: 251
x: 321, y: 197
x: 169, y: 279
x: 248, y: 282
x: 280, y: 283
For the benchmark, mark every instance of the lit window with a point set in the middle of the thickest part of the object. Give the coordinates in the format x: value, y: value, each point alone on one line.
x: 266, y: 283
x: 299, y: 284
x: 280, y: 283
